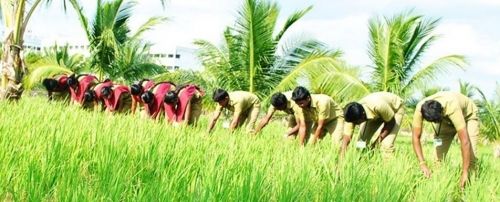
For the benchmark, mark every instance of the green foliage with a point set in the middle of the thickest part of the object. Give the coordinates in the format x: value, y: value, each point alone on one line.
x: 116, y: 52
x: 257, y: 59
x: 54, y: 61
x: 489, y: 114
x: 62, y: 153
x: 396, y: 48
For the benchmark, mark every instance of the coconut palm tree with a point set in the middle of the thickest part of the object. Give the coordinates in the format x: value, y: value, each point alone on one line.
x: 16, y: 15
x: 133, y: 62
x: 489, y: 113
x: 396, y: 48
x: 466, y: 88
x: 256, y: 58
x: 55, y: 60
x: 112, y: 44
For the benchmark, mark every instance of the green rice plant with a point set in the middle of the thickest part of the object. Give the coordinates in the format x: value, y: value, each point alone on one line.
x: 54, y: 152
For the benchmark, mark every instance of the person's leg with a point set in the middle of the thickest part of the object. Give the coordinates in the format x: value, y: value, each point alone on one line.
x: 446, y: 134
x: 335, y: 128
x: 196, y: 109
x: 244, y: 117
x: 253, y: 115
x: 387, y: 144
x: 124, y: 104
x: 291, y: 123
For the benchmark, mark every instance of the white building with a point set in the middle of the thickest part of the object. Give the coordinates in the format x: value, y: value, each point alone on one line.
x: 177, y: 57
x: 172, y: 57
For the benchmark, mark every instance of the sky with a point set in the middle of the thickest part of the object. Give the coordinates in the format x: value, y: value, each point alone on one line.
x: 467, y: 27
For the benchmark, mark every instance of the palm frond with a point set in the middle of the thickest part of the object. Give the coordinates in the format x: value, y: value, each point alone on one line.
x: 490, y: 117
x: 148, y: 25
x: 431, y: 71
x: 42, y: 72
x: 292, y: 19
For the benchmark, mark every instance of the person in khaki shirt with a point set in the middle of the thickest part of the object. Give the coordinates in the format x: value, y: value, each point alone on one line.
x: 377, y: 110
x: 318, y: 114
x: 281, y: 102
x: 244, y: 105
x: 452, y: 113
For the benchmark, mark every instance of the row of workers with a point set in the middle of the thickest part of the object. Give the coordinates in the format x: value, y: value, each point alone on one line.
x: 178, y: 104
x: 310, y: 116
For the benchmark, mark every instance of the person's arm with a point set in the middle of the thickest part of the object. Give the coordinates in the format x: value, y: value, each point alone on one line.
x: 386, y: 129
x: 133, y: 107
x: 348, y: 131
x: 213, y: 120
x: 187, y: 113
x: 302, y: 131
x: 346, y: 139
x: 319, y: 129
x: 416, y: 135
x: 293, y: 130
x: 264, y: 121
x: 235, y: 121
x: 465, y: 146
x: 417, y: 147
x: 50, y: 95
x: 96, y: 105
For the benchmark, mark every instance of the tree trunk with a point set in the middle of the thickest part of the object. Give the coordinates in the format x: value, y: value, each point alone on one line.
x: 12, y: 71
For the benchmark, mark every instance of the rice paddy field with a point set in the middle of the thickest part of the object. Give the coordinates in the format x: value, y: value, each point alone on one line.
x: 53, y: 152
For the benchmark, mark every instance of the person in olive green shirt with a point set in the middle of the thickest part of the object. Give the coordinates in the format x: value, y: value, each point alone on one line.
x: 244, y: 105
x: 281, y: 102
x: 452, y: 113
x: 376, y: 110
x: 317, y: 114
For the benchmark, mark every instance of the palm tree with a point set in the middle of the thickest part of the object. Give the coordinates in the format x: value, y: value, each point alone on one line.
x: 116, y: 52
x: 55, y: 60
x: 396, y: 48
x: 489, y: 113
x: 16, y: 15
x: 466, y: 88
x: 256, y: 58
x: 133, y: 62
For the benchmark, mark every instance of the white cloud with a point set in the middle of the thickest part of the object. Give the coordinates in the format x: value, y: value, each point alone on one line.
x: 350, y: 34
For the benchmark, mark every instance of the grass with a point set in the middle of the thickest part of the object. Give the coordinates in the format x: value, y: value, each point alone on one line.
x: 52, y: 152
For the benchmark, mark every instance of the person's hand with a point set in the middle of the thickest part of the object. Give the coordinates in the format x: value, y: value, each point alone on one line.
x: 425, y: 170
x: 464, y: 179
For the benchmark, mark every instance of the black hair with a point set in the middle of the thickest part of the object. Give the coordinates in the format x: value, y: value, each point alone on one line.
x: 279, y: 101
x: 72, y: 80
x: 106, y: 91
x: 50, y: 84
x: 354, y: 112
x: 300, y: 93
x: 219, y: 95
x: 147, y: 97
x: 136, y: 89
x: 171, y: 97
x: 432, y: 111
x: 89, y: 96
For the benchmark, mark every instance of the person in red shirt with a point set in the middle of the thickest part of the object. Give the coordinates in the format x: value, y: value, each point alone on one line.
x: 116, y: 98
x: 136, y: 90
x: 93, y: 96
x: 78, y: 85
x: 153, y: 100
x: 186, y: 102
x: 57, y: 87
